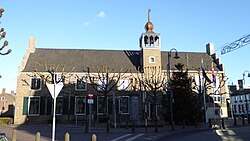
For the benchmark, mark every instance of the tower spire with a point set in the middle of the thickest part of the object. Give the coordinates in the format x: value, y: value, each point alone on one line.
x: 149, y: 26
x: 149, y: 14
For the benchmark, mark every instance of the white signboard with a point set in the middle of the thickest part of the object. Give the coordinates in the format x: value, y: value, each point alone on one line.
x: 55, y: 89
x: 90, y: 101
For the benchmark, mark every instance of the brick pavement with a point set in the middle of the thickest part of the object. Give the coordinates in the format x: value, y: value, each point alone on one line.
x: 27, y: 132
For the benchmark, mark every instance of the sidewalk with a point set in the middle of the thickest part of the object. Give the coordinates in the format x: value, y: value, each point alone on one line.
x: 27, y: 132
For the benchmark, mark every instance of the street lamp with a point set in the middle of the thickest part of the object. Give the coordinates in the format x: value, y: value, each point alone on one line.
x: 170, y: 85
x: 248, y: 75
x: 246, y: 99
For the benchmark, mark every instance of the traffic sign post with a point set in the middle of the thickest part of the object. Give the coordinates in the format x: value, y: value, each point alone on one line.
x: 54, y: 90
x: 90, y: 102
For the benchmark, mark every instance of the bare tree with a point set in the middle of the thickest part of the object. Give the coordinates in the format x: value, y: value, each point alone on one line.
x: 153, y: 83
x: 2, y: 35
x: 104, y: 80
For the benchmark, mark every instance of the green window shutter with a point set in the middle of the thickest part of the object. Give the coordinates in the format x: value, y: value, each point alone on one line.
x: 25, y: 105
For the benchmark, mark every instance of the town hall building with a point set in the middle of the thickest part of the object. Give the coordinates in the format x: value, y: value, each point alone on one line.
x: 112, y: 76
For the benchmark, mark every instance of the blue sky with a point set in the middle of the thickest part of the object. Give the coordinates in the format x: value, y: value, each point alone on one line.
x: 187, y: 25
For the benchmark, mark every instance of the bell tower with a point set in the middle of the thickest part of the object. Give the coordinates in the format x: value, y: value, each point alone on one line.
x: 150, y: 46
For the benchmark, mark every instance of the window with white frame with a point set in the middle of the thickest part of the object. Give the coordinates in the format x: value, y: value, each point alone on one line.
x: 59, y: 105
x: 35, y: 83
x: 124, y: 104
x: 80, y: 105
x: 151, y: 59
x: 198, y: 82
x: 81, y: 84
x: 100, y: 105
x: 2, y: 98
x: 217, y: 99
x: 34, y: 105
x: 124, y: 84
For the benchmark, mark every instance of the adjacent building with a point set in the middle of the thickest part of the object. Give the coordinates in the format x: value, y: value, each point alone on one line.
x: 7, y: 103
x: 107, y: 74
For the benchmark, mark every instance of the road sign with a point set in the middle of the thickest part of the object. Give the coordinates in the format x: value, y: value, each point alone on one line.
x: 55, y: 89
x: 90, y: 98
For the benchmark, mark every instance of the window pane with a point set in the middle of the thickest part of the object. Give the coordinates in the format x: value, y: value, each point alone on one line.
x: 34, y: 105
x: 81, y: 84
x: 80, y: 105
x: 35, y: 83
x: 100, y: 105
x: 59, y: 105
x: 124, y: 105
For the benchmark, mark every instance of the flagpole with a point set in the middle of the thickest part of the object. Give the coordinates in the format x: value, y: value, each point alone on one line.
x: 204, y: 100
x: 213, y: 79
x: 204, y: 94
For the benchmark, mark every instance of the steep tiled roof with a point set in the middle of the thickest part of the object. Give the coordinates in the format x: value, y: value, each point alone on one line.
x: 80, y: 59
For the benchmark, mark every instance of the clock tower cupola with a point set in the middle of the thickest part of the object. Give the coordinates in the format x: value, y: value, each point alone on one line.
x: 150, y: 46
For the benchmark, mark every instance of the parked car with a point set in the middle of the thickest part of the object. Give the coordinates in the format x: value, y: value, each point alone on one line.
x: 3, y: 137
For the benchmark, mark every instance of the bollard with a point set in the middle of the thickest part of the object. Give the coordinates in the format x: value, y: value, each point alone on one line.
x: 235, y: 121
x: 248, y: 119
x: 94, y: 138
x: 133, y: 126
x: 156, y: 126
x: 209, y: 123
x: 222, y: 123
x: 183, y: 124
x: 13, y: 135
x: 108, y: 126
x: 86, y: 127
x: 126, y: 125
x: 243, y: 120
x: 66, y: 137
x: 38, y: 136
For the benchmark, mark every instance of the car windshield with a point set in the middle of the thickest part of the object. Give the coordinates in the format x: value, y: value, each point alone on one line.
x: 3, y: 138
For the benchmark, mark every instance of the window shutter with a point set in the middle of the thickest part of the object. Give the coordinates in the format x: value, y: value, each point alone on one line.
x: 49, y: 106
x: 72, y: 105
x: 65, y: 105
x: 25, y: 105
x: 42, y: 107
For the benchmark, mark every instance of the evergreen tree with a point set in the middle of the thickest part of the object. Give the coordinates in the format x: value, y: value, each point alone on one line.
x: 186, y: 102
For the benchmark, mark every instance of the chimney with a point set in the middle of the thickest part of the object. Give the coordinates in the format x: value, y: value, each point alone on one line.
x: 32, y: 44
x: 210, y: 48
x: 12, y: 92
x: 3, y: 90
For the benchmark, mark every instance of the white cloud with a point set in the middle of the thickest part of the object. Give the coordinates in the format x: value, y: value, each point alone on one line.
x: 101, y: 14
x: 87, y: 23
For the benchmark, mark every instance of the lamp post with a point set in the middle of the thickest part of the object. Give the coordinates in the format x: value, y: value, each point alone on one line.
x: 246, y: 99
x: 248, y: 75
x: 170, y: 85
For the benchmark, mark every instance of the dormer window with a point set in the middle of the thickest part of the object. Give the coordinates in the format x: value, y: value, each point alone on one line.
x: 36, y: 83
x: 151, y: 59
x: 81, y: 84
